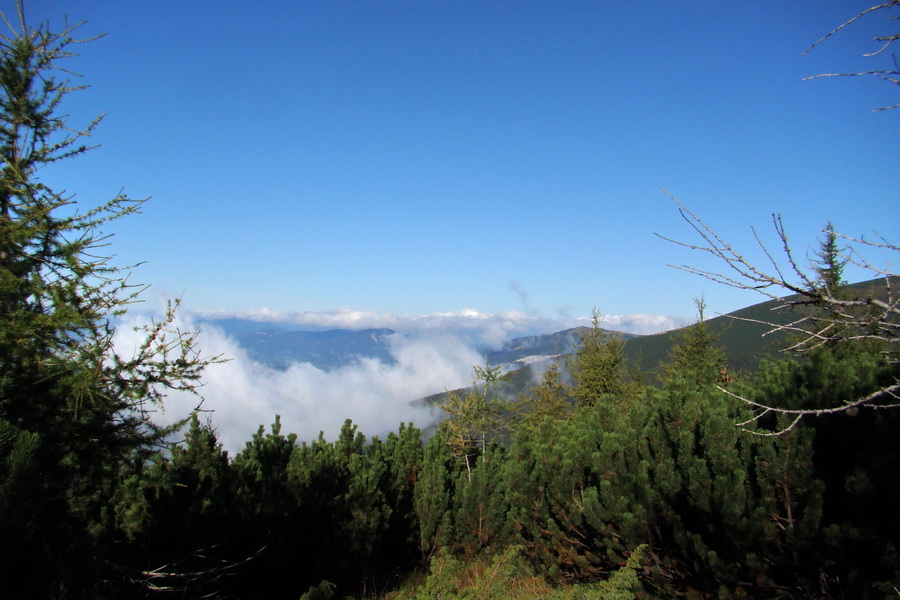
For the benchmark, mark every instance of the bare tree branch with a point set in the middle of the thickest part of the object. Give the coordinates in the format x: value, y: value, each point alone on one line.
x: 891, y: 76
x: 798, y: 414
x: 820, y: 314
x: 177, y: 578
x: 845, y: 23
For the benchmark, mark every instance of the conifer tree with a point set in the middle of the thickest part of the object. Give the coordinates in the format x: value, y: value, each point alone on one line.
x: 479, y: 505
x: 549, y: 399
x: 474, y: 416
x: 852, y: 458
x: 433, y: 494
x: 403, y: 453
x: 829, y: 262
x: 71, y: 408
x: 695, y: 351
x: 549, y: 489
x: 597, y: 367
x: 177, y: 511
x: 175, y: 493
x: 262, y: 470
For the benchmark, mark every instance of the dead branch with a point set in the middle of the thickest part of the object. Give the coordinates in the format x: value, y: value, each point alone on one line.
x: 891, y: 76
x: 818, y: 314
x: 761, y: 410
x: 177, y: 578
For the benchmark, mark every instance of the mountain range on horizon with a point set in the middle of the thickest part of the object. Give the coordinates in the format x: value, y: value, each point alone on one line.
x: 278, y: 345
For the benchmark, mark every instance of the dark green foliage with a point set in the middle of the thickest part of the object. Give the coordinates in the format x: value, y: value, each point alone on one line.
x: 856, y: 456
x: 696, y: 352
x: 268, y: 514
x: 95, y: 500
x: 597, y: 366
x: 261, y: 469
x: 434, y: 494
x: 403, y: 454
x: 176, y: 512
x: 156, y: 501
x: 723, y: 499
x: 341, y: 491
x: 547, y: 477
x: 71, y: 408
x: 829, y: 262
x: 352, y: 519
x: 479, y: 505
x: 716, y: 505
x: 21, y: 499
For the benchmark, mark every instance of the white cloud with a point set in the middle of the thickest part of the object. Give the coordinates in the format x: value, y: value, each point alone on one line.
x: 437, y: 353
x: 243, y: 394
x: 489, y: 329
x: 643, y: 324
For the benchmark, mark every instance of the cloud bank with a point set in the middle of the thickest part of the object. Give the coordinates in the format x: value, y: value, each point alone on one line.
x: 242, y: 394
x: 486, y: 329
x: 436, y: 352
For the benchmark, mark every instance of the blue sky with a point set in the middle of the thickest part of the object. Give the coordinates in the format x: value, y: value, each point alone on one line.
x: 427, y: 157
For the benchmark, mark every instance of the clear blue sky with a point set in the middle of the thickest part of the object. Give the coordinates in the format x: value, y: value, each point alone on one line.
x: 423, y: 157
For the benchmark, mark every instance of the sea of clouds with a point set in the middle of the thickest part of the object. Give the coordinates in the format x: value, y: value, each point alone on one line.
x: 437, y: 352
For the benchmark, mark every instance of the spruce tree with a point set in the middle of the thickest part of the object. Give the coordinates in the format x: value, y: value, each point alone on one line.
x: 695, y: 352
x: 829, y: 262
x: 597, y: 367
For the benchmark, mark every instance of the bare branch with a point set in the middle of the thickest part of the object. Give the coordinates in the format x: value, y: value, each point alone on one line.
x: 889, y: 76
x: 845, y: 23
x: 806, y: 305
x: 186, y: 582
x: 798, y: 414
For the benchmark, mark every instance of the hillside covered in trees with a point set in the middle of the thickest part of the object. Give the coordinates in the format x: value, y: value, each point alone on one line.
x: 779, y: 481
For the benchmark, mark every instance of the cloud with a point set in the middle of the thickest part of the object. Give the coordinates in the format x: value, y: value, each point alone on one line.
x: 436, y: 352
x: 484, y: 329
x: 243, y: 394
x: 643, y: 324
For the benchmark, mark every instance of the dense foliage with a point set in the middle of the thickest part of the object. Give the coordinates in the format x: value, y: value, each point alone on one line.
x: 598, y: 487
x: 74, y: 411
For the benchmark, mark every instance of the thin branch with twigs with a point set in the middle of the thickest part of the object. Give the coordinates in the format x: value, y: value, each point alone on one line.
x: 891, y: 76
x: 823, y: 316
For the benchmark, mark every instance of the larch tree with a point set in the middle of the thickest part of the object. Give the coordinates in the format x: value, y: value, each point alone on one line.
x: 474, y: 416
x: 550, y: 399
x: 72, y: 408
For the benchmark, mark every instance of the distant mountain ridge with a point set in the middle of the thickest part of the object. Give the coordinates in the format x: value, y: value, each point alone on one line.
x: 278, y: 345
x: 743, y: 335
x: 532, y: 348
